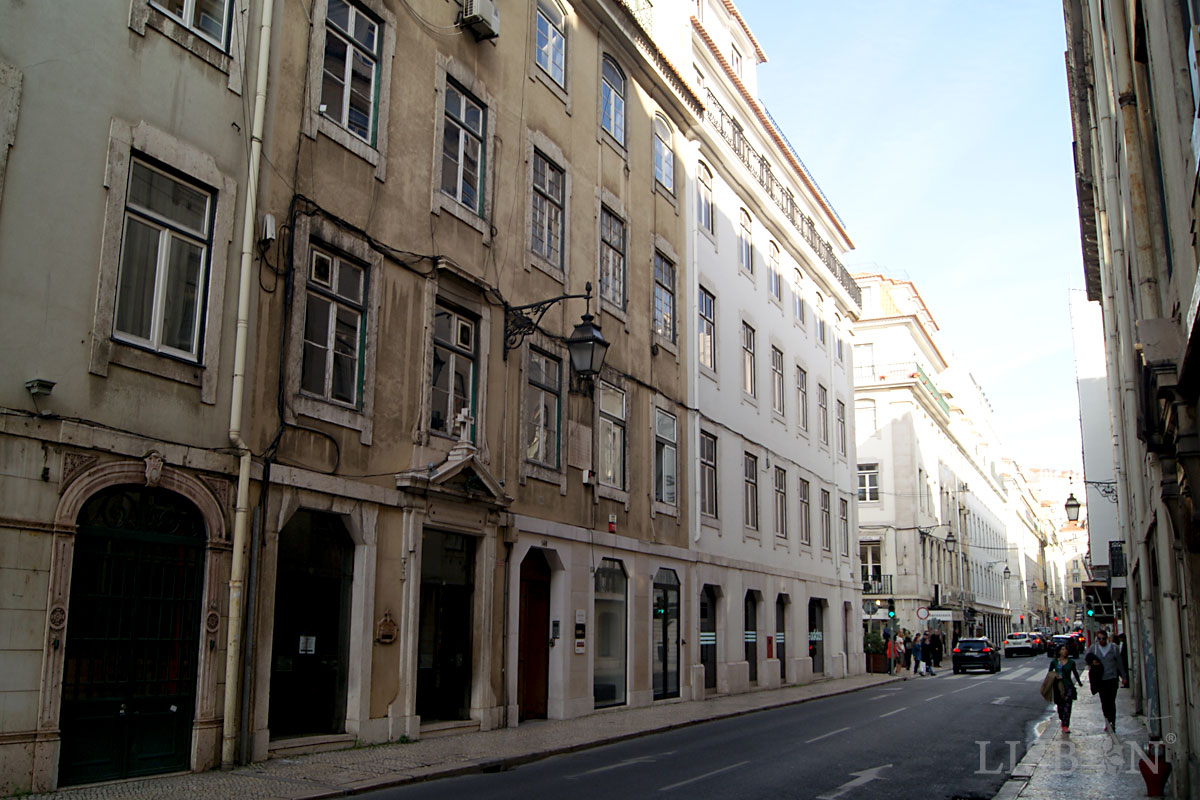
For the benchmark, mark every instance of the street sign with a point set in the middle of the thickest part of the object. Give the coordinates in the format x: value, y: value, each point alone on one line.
x: 922, y: 612
x: 942, y: 614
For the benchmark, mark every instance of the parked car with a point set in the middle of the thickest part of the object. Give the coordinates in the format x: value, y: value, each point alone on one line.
x: 1019, y: 643
x: 975, y: 653
x: 1040, y: 641
x: 1074, y: 647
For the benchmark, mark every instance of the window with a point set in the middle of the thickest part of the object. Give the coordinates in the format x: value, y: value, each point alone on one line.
x: 841, y: 426
x: 745, y: 243
x: 609, y: 661
x: 750, y: 501
x: 209, y: 18
x: 665, y: 431
x: 823, y: 413
x: 820, y: 328
x: 781, y: 502
x: 664, y: 297
x: 453, y: 368
x: 844, y: 525
x: 546, y: 235
x: 805, y: 513
x: 868, y: 483
x: 704, y: 199
x: 708, y: 474
x: 350, y: 69
x: 797, y: 297
x: 774, y: 279
x: 839, y: 348
x: 826, y: 542
x: 748, y: 378
x: 664, y: 156
x: 735, y: 61
x: 551, y: 42
x: 708, y: 329
x: 612, y: 258
x: 777, y: 380
x: 462, y: 149
x: 333, y: 329
x: 612, y: 100
x: 802, y: 396
x: 612, y: 436
x: 543, y: 398
x: 870, y: 558
x: 161, y: 283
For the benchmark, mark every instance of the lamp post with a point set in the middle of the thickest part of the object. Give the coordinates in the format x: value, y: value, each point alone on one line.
x: 1072, y: 507
x: 586, y: 344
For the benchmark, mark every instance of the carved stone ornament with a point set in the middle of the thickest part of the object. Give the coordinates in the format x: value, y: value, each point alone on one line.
x: 75, y: 463
x: 387, y: 629
x: 212, y: 622
x: 154, y: 467
x: 58, y: 618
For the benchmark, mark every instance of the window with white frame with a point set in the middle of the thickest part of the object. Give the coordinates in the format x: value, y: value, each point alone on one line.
x: 868, y: 483
x: 543, y: 403
x: 707, y: 344
x: 844, y: 524
x: 665, y: 464
x: 735, y: 61
x: 664, y: 297
x: 781, y: 502
x: 334, y: 332
x: 349, y: 79
x: 750, y: 499
x: 823, y: 413
x: 463, y: 148
x: 745, y: 242
x: 774, y: 279
x: 802, y: 397
x: 749, y: 381
x: 704, y: 199
x: 805, y: 513
x: 612, y: 436
x: 551, y: 41
x: 208, y: 18
x: 708, y: 474
x: 870, y: 556
x: 664, y: 155
x: 820, y: 328
x: 161, y: 283
x: 826, y: 532
x: 841, y: 426
x: 612, y: 258
x: 839, y: 348
x: 612, y: 100
x: 546, y: 234
x: 798, y: 304
x: 454, y: 368
x: 777, y: 380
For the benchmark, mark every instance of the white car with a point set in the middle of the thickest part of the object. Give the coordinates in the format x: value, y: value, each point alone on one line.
x: 1018, y: 643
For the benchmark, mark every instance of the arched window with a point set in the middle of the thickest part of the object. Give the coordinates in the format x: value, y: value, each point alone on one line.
x: 608, y: 670
x: 664, y: 156
x: 704, y: 199
x: 551, y: 40
x: 745, y: 243
x: 612, y: 100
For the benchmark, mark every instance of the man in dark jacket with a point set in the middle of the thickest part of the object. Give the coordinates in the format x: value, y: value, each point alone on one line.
x: 935, y: 640
x: 1105, y: 674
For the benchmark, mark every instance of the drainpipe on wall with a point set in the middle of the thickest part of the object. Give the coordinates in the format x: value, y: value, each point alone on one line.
x: 234, y: 642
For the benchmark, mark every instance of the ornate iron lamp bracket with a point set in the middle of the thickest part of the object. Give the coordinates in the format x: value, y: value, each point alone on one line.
x: 520, y: 321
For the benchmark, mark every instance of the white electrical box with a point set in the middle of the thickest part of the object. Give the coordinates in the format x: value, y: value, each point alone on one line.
x: 482, y: 18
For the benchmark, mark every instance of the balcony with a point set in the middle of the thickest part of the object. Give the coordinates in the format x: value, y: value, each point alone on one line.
x: 880, y: 584
x: 867, y: 374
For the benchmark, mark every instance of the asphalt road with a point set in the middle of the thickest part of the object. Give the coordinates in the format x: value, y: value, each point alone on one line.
x: 942, y: 737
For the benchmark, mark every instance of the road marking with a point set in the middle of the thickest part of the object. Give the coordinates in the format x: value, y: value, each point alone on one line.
x: 999, y: 701
x: 627, y: 763
x: 826, y: 735
x: 702, y: 777
x: 1017, y: 673
x: 865, y: 776
x: 888, y: 714
x: 935, y: 697
x: 1037, y: 676
x: 971, y: 685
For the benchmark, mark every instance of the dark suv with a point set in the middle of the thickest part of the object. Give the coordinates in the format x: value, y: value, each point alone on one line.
x: 975, y: 654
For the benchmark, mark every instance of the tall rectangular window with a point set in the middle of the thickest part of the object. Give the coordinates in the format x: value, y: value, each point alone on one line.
x: 802, y: 396
x: 546, y: 230
x: 333, y: 330
x: 665, y: 435
x: 797, y: 297
x: 745, y: 243
x: 826, y: 533
x: 612, y: 100
x: 844, y: 525
x: 462, y: 148
x: 707, y: 344
x: 612, y: 436
x: 781, y: 502
x: 161, y: 283
x: 350, y: 70
x: 868, y: 483
x: 609, y: 661
x: 841, y: 427
x: 735, y: 61
x: 664, y: 297
x: 454, y: 352
x: 543, y: 400
x: 749, y: 384
x: 820, y: 329
x: 823, y: 413
x: 774, y: 279
x: 805, y: 513
x: 750, y: 500
x: 777, y: 380
x: 664, y: 155
x: 551, y: 42
x: 839, y: 349
x: 612, y: 258
x: 708, y: 474
x: 704, y: 199
x: 209, y: 18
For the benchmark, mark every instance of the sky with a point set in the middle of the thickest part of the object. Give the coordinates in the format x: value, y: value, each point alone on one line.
x: 940, y: 131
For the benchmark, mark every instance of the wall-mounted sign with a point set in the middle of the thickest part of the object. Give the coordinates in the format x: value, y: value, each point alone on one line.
x: 308, y: 645
x: 580, y: 631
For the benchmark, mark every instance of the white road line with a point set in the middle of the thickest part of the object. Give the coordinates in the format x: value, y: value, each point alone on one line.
x: 1017, y: 673
x: 971, y: 685
x: 897, y: 711
x: 935, y: 697
x: 826, y: 735
x: 702, y: 777
x: 1037, y: 676
x: 629, y: 762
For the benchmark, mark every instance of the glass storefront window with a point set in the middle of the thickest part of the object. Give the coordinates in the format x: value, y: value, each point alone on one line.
x: 608, y: 669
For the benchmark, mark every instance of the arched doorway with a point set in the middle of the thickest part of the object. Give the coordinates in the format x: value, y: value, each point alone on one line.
x: 311, y: 636
x: 132, y: 639
x: 533, y: 650
x: 666, y: 634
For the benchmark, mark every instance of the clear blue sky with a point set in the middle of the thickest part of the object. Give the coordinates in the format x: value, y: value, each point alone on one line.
x: 940, y: 130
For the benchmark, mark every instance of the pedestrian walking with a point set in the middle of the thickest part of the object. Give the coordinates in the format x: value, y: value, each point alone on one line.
x: 1105, y: 658
x: 1065, y: 672
x: 917, y: 654
x: 901, y: 652
x: 927, y: 653
x: 889, y: 650
x: 939, y: 648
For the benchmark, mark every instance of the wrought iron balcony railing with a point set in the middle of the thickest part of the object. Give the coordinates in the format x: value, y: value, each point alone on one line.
x: 865, y: 374
x: 880, y: 584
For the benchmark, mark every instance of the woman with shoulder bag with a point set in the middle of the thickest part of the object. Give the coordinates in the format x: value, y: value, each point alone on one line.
x: 1064, y: 671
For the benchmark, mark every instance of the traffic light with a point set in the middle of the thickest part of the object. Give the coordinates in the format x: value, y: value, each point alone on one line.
x: 1091, y: 612
x: 1022, y: 619
x: 891, y: 608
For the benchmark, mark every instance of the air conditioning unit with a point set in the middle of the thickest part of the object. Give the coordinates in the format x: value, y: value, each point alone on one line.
x: 482, y: 18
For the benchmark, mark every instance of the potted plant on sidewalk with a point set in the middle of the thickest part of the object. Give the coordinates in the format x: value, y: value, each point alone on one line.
x: 876, y: 651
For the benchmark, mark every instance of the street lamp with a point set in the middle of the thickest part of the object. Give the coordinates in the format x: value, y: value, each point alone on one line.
x: 586, y: 344
x: 1072, y: 507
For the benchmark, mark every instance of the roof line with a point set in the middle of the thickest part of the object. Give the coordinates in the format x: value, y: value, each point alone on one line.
x: 758, y: 51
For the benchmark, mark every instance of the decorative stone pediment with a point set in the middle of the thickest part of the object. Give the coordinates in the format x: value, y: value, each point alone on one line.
x: 462, y: 476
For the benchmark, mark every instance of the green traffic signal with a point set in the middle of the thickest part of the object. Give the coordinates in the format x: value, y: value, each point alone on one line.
x: 891, y: 613
x: 1091, y: 612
